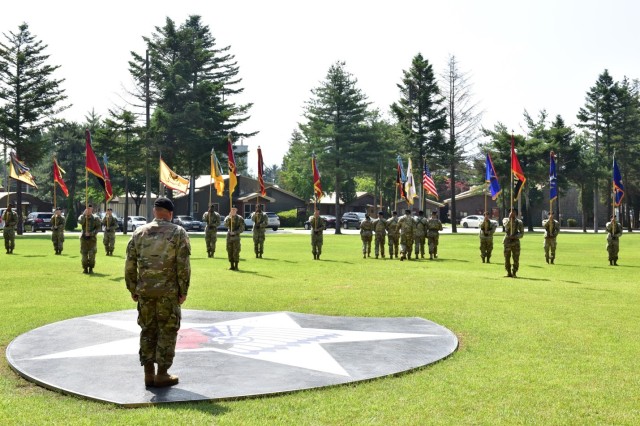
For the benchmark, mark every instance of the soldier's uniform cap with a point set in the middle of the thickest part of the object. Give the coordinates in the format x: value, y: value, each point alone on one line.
x: 109, y: 210
x: 12, y: 204
x: 380, y: 213
x: 434, y: 213
x: 212, y: 206
x: 420, y: 212
x: 395, y: 213
x: 89, y: 205
x: 164, y: 203
x: 58, y: 208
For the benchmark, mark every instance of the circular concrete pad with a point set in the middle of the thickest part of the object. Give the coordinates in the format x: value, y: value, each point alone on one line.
x: 225, y: 354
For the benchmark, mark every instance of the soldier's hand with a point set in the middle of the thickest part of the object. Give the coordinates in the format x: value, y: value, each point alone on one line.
x: 181, y: 299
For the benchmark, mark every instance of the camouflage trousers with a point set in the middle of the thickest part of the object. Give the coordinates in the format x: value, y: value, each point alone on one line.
x: 393, y: 245
x: 210, y: 238
x: 88, y: 249
x: 109, y: 241
x: 316, y: 243
x: 9, y: 235
x: 550, y: 248
x: 366, y: 244
x: 613, y: 247
x: 159, y: 320
x: 512, y: 250
x: 379, y: 245
x: 406, y: 245
x: 58, y: 240
x: 258, y: 242
x: 233, y: 249
x: 433, y: 244
x: 418, y: 241
x: 486, y: 247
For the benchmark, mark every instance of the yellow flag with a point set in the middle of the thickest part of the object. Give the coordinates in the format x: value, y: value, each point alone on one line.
x: 171, y: 179
x: 216, y: 174
x: 19, y: 171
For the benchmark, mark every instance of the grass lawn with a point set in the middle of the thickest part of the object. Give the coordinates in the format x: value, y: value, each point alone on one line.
x: 558, y: 345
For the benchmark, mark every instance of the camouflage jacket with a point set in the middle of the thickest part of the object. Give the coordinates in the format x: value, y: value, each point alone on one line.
x: 211, y: 220
x: 393, y: 227
x: 434, y: 226
x: 380, y: 227
x: 487, y: 229
x: 407, y: 225
x: 421, y: 226
x: 260, y: 222
x: 317, y: 226
x: 57, y: 223
x: 235, y: 227
x: 10, y: 219
x: 613, y: 233
x: 110, y: 223
x: 89, y: 224
x: 158, y: 260
x: 514, y: 231
x: 551, y: 228
x: 366, y: 228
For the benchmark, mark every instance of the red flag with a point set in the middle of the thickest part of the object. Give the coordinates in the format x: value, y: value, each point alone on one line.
x: 233, y: 179
x: 516, y: 170
x: 107, y: 181
x: 317, y: 187
x: 263, y: 191
x: 57, y: 177
x: 92, y: 165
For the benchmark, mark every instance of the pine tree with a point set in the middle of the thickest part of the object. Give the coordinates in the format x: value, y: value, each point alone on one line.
x: 31, y: 94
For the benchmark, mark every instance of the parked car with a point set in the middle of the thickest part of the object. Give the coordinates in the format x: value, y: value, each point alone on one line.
x: 38, y: 221
x: 1, y: 213
x: 474, y: 221
x: 330, y: 220
x: 188, y: 223
x: 352, y: 220
x: 274, y: 220
x: 134, y: 222
x: 248, y: 223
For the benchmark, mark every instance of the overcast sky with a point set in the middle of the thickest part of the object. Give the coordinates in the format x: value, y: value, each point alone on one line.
x: 520, y: 54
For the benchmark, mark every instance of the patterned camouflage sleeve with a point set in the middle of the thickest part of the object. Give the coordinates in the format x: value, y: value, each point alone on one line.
x: 131, y: 267
x: 183, y: 263
x: 96, y: 226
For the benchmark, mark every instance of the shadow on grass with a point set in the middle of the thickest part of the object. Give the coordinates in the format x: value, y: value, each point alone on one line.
x: 33, y: 255
x: 244, y: 271
x: 117, y: 279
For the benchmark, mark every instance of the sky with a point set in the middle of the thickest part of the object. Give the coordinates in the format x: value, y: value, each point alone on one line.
x: 520, y: 55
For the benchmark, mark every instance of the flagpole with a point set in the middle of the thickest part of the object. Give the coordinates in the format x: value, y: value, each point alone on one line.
x: 550, y: 200
x: 211, y: 177
x: 511, y: 167
x: 613, y: 192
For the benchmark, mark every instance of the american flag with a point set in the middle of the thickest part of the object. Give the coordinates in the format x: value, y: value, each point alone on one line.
x: 427, y: 182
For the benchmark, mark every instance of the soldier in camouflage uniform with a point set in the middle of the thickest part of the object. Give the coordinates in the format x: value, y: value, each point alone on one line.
x: 318, y: 225
x: 235, y: 226
x: 366, y: 235
x: 514, y: 231
x: 407, y: 230
x: 614, y: 232
x: 212, y: 220
x: 487, y: 229
x: 57, y: 231
x: 157, y: 274
x: 10, y: 219
x: 110, y: 225
x: 394, y: 234
x: 421, y: 230
x: 551, y: 230
x: 434, y: 226
x: 90, y: 225
x: 380, y: 228
x: 260, y: 223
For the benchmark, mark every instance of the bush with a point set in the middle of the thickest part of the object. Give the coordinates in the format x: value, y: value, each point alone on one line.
x: 289, y: 219
x: 572, y: 223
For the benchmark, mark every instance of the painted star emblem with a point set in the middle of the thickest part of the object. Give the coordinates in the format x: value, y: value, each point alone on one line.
x: 276, y: 338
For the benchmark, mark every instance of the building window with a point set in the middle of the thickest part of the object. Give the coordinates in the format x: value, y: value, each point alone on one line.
x: 196, y: 207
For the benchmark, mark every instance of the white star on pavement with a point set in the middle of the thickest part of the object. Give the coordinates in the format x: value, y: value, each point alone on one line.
x: 273, y: 337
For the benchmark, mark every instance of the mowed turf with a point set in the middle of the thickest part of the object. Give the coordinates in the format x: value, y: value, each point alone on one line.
x: 558, y: 345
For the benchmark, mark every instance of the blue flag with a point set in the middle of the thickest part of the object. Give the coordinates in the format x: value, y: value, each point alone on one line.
x: 618, y: 188
x: 492, y: 178
x: 553, y: 178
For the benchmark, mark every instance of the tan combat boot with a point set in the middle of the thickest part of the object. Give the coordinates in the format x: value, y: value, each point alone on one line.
x: 164, y: 379
x: 149, y: 374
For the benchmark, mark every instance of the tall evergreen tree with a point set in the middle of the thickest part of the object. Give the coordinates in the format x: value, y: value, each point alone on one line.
x: 31, y: 95
x: 336, y: 130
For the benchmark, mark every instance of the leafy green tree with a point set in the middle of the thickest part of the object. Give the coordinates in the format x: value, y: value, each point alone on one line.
x: 421, y: 113
x: 296, y: 174
x: 336, y: 130
x: 193, y: 83
x: 31, y: 94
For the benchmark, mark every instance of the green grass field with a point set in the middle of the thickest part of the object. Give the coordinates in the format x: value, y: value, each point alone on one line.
x: 558, y: 345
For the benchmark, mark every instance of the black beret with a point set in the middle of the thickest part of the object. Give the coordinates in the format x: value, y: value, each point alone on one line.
x: 12, y: 204
x: 380, y: 213
x: 164, y: 203
x: 408, y: 211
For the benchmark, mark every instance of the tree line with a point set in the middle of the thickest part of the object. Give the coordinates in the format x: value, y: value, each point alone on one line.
x: 182, y: 104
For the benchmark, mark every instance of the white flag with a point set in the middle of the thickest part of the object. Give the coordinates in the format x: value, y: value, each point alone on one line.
x: 409, y: 186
